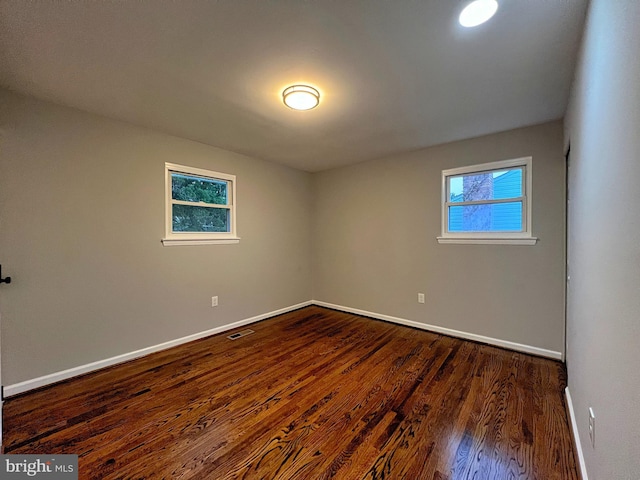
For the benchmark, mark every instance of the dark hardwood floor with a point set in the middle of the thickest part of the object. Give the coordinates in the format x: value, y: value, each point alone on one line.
x: 312, y: 394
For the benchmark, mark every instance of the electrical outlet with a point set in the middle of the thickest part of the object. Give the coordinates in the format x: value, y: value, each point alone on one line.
x: 421, y: 298
x: 214, y: 301
x: 592, y: 427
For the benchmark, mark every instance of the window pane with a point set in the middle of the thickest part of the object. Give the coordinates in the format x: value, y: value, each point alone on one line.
x: 497, y: 217
x: 498, y: 184
x: 198, y: 189
x: 200, y: 219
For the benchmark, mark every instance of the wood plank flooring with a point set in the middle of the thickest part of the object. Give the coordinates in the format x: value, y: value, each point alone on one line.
x: 312, y: 394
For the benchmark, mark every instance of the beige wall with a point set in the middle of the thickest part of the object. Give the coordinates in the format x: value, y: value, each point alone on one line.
x: 603, y: 353
x: 81, y: 218
x: 375, y: 228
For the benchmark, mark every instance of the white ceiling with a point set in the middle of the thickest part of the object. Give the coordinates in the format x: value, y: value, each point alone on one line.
x: 393, y: 75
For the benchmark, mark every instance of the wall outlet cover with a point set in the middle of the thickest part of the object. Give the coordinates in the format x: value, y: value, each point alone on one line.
x: 592, y: 427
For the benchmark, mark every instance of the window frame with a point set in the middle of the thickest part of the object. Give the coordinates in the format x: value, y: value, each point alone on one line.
x: 523, y: 237
x: 172, y: 238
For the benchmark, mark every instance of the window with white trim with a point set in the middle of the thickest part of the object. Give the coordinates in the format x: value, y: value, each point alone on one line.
x: 488, y: 203
x: 200, y: 206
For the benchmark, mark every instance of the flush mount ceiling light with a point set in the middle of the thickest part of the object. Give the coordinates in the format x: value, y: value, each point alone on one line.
x: 301, y: 97
x: 478, y: 12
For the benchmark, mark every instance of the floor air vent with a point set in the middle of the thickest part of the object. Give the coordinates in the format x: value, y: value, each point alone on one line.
x: 244, y: 333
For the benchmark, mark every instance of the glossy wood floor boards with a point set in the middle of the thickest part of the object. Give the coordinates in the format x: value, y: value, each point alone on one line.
x: 312, y: 394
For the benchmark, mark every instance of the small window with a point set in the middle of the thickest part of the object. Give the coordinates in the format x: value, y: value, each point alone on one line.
x: 488, y: 203
x: 200, y: 206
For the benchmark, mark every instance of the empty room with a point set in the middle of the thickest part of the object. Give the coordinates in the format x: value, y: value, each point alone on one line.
x: 314, y: 239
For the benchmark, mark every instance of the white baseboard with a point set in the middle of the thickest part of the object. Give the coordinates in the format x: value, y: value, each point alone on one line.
x: 17, y: 388
x: 519, y: 347
x: 27, y: 385
x: 576, y: 436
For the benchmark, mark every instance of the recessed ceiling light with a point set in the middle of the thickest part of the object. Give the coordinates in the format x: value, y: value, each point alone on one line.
x: 301, y: 97
x: 478, y: 12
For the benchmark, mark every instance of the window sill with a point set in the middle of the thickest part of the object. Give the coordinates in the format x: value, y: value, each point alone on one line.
x: 489, y: 241
x: 199, y: 241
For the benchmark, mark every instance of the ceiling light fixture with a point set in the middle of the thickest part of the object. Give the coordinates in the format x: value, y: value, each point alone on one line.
x: 478, y: 12
x: 301, y: 97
